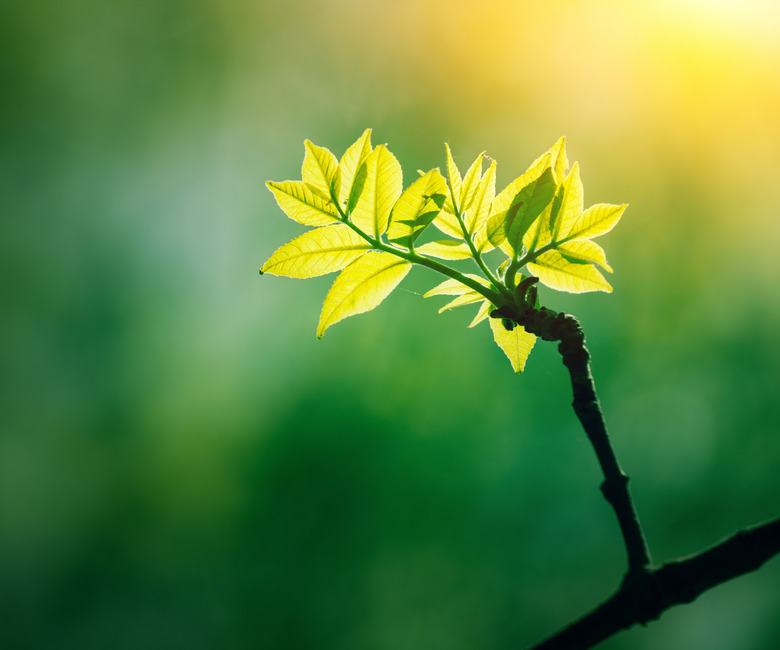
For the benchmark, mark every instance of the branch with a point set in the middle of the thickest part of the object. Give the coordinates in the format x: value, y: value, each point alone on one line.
x: 552, y: 326
x: 644, y: 596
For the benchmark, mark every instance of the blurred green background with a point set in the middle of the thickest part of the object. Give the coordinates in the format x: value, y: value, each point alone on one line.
x: 183, y: 464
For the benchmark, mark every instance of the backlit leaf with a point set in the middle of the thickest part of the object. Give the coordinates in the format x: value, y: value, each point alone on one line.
x: 565, y: 273
x: 585, y: 250
x: 479, y: 205
x: 516, y: 344
x: 317, y: 252
x: 362, y: 286
x: 380, y: 190
x: 570, y: 210
x: 319, y: 168
x: 527, y: 207
x: 470, y: 185
x: 445, y: 249
x: 596, y: 220
x: 453, y: 287
x: 349, y: 165
x: 465, y: 299
x: 303, y: 204
x: 417, y: 207
x: 453, y: 176
x: 484, y: 310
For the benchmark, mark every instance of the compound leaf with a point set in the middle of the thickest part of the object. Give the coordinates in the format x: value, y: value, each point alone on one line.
x: 417, y: 207
x: 379, y: 190
x: 361, y: 287
x: 516, y: 343
x: 303, y: 204
x: 317, y: 252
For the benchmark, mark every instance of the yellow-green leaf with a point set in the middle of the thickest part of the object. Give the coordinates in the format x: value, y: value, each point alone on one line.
x: 570, y: 209
x: 465, y: 299
x: 527, y: 207
x: 319, y: 168
x: 381, y: 189
x: 362, y: 286
x: 453, y: 175
x: 478, y: 209
x: 317, y: 252
x: 349, y: 165
x: 453, y: 287
x: 303, y: 204
x: 448, y: 223
x: 417, y: 207
x: 484, y: 310
x: 516, y: 344
x: 564, y: 273
x: 585, y: 250
x: 560, y: 162
x: 445, y: 249
x: 470, y: 186
x: 596, y: 220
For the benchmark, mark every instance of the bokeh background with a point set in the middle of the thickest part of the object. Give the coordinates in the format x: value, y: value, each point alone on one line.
x: 183, y: 464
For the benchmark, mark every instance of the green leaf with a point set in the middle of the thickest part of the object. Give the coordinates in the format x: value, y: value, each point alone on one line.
x: 453, y: 175
x: 568, y: 273
x: 479, y: 205
x: 445, y: 249
x: 448, y: 223
x: 570, y: 205
x: 319, y: 168
x: 560, y: 162
x: 317, y: 252
x: 484, y: 310
x: 361, y: 287
x: 585, y: 250
x: 349, y: 165
x: 502, y: 203
x: 467, y: 298
x: 596, y: 220
x: 470, y: 186
x: 516, y: 344
x: 527, y: 207
x: 453, y: 287
x: 380, y: 190
x: 303, y: 204
x: 416, y: 208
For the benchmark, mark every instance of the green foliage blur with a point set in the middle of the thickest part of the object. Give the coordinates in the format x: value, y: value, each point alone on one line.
x: 183, y: 464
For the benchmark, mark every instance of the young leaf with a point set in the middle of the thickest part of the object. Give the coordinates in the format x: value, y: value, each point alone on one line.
x: 416, y: 208
x: 380, y: 190
x: 569, y: 273
x: 596, y: 220
x: 586, y: 251
x: 445, y: 249
x: 516, y: 344
x: 560, y: 162
x: 570, y: 205
x: 317, y: 252
x: 479, y: 205
x: 362, y: 286
x: 528, y: 205
x: 467, y: 298
x: 484, y: 310
x: 453, y: 287
x: 349, y: 165
x: 303, y: 204
x: 470, y: 186
x: 453, y: 175
x: 319, y: 168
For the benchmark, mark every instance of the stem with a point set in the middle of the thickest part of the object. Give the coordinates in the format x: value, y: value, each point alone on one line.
x: 551, y: 326
x: 495, y: 297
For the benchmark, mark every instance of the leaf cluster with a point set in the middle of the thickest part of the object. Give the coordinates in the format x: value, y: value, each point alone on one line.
x: 367, y: 226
